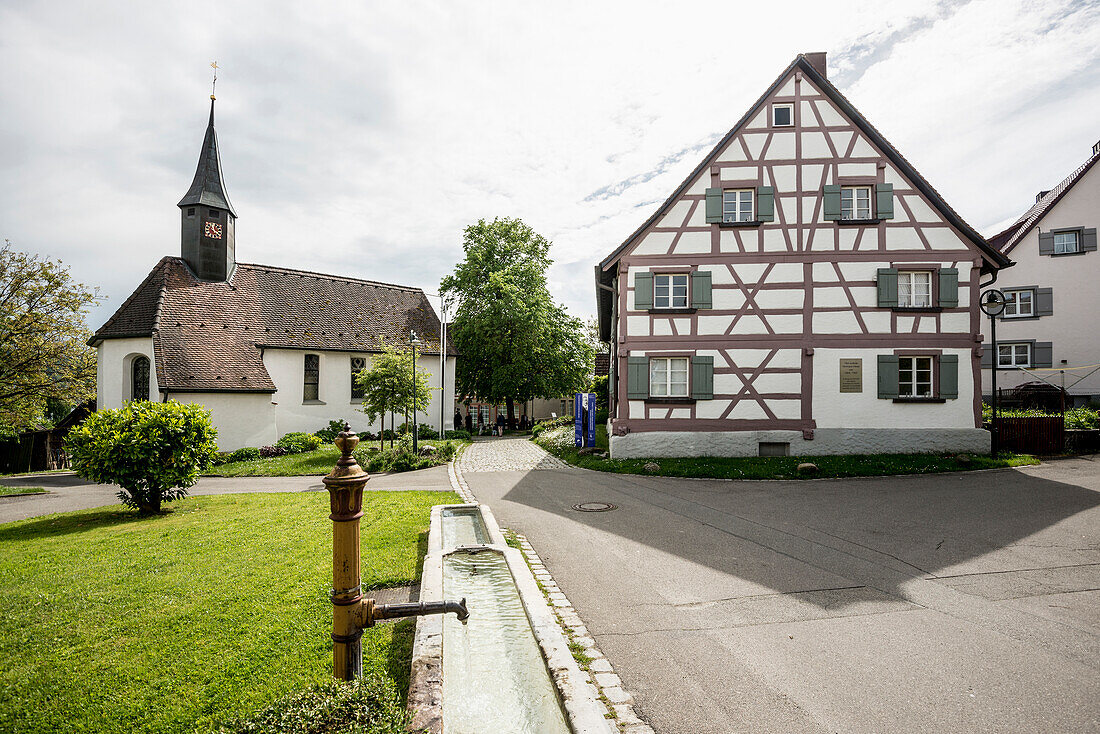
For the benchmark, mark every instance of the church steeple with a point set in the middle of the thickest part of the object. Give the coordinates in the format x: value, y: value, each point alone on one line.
x: 208, y: 217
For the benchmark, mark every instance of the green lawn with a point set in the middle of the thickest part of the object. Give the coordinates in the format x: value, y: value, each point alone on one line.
x: 777, y: 467
x: 317, y: 462
x: 114, y: 623
x: 8, y: 491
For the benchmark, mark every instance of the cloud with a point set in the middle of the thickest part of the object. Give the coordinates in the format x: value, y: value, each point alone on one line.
x: 361, y: 138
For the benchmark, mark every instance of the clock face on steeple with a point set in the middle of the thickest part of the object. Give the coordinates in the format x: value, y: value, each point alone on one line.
x: 213, y: 230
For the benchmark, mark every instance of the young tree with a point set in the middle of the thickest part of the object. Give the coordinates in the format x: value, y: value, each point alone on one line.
x: 388, y: 385
x: 154, y: 451
x: 515, y: 342
x: 43, y: 340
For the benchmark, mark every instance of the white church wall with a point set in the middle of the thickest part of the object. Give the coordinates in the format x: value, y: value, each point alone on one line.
x: 113, y: 361
x: 293, y: 413
x: 242, y: 419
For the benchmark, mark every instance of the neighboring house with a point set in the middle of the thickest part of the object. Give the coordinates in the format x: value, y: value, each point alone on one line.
x: 267, y: 350
x: 1053, y: 302
x: 804, y: 291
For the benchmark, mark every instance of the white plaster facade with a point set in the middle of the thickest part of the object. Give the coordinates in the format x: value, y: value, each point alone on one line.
x: 259, y: 419
x: 1073, y: 279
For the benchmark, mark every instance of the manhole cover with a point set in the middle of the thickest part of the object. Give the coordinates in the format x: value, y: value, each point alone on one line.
x: 594, y: 507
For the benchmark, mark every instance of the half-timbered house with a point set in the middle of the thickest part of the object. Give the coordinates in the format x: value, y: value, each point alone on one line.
x: 803, y: 291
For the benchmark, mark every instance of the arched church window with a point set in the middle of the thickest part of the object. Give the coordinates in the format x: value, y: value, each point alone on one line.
x: 139, y: 385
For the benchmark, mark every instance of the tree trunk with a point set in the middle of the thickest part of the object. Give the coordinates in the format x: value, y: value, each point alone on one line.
x: 511, y: 413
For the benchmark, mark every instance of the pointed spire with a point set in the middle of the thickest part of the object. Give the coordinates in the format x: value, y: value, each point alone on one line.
x: 208, y: 189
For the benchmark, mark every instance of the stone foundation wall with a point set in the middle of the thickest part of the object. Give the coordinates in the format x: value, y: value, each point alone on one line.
x: 662, y: 444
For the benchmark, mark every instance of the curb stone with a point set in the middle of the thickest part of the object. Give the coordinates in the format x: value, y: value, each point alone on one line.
x: 601, y: 675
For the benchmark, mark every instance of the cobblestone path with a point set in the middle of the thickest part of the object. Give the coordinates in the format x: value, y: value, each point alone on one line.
x: 507, y: 454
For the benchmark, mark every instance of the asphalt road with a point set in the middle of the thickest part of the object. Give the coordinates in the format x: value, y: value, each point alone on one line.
x: 946, y: 603
x: 69, y: 492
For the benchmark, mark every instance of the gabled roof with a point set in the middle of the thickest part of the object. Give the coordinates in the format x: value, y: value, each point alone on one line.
x: 209, y: 336
x: 993, y: 259
x: 207, y: 188
x: 1007, y: 240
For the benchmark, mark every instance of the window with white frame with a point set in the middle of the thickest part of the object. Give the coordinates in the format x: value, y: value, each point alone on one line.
x: 914, y: 289
x: 1019, y: 303
x: 1014, y: 355
x: 782, y: 115
x: 855, y: 202
x: 670, y: 290
x: 737, y: 205
x: 915, y: 377
x: 358, y: 364
x: 1065, y: 242
x: 668, y: 377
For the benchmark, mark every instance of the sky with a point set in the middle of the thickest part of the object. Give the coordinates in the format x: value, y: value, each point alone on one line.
x: 361, y: 138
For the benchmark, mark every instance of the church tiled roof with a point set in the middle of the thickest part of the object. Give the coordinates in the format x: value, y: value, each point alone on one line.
x: 209, y: 336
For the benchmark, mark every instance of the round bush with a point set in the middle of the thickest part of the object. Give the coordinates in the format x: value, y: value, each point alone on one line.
x: 248, y: 453
x: 298, y: 442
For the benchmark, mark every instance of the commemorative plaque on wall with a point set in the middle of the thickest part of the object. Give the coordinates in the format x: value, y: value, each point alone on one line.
x: 851, y: 375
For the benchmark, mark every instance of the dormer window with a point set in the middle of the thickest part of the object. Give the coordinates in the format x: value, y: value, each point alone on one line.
x: 855, y: 202
x: 782, y: 115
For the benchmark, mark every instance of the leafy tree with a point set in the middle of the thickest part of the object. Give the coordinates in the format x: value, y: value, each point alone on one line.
x: 154, y: 451
x: 43, y: 339
x: 388, y: 386
x: 515, y: 342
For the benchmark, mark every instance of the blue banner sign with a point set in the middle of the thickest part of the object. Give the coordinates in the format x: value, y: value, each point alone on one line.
x: 591, y: 420
x: 578, y: 420
x: 584, y: 419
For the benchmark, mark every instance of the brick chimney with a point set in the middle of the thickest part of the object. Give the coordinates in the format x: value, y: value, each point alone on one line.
x: 817, y: 60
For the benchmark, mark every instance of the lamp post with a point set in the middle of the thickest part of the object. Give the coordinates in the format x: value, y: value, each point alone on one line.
x: 414, y: 341
x: 992, y: 304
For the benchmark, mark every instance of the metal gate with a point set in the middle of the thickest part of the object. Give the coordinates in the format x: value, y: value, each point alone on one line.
x: 1034, y: 435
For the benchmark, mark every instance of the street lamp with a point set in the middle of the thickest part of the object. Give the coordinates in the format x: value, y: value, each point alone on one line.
x: 414, y: 341
x: 992, y: 304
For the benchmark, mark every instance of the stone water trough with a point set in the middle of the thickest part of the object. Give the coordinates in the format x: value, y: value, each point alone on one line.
x: 508, y: 668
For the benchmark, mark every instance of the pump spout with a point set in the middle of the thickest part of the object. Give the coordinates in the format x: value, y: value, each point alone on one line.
x: 416, y: 609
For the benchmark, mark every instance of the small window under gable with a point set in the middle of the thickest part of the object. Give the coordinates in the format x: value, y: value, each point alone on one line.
x: 737, y: 205
x: 855, y: 202
x: 914, y: 289
x: 1066, y: 242
x: 782, y: 115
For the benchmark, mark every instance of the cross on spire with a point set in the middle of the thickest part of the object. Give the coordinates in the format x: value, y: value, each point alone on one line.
x: 214, y: 66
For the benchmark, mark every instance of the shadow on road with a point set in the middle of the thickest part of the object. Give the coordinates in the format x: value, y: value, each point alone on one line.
x: 849, y: 536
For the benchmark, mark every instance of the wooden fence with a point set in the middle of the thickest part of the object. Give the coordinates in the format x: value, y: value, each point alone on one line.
x: 1034, y: 435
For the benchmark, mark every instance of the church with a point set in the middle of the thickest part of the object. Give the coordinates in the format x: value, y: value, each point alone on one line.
x: 268, y: 350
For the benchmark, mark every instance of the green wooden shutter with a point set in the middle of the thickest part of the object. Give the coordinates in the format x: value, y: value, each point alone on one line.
x: 1042, y: 354
x: 700, y: 289
x: 1044, y: 302
x: 765, y: 204
x: 1088, y: 240
x: 949, y: 376
x: 714, y: 205
x: 702, y: 378
x: 949, y: 287
x: 887, y: 376
x: 1046, y: 243
x: 887, y: 287
x: 884, y: 201
x: 637, y: 378
x: 643, y: 291
x: 831, y: 195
